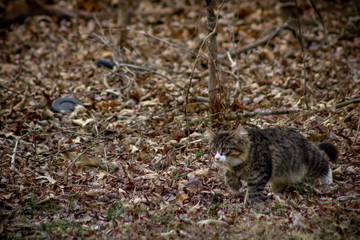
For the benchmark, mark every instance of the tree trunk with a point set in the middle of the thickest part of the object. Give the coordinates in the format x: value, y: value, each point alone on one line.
x: 214, y: 104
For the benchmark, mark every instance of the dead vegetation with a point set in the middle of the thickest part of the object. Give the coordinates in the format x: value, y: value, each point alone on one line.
x: 128, y: 165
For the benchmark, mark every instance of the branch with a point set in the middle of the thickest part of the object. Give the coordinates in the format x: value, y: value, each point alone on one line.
x: 274, y: 112
x: 351, y: 101
x: 262, y: 41
x: 289, y: 111
x: 15, y: 149
x: 174, y: 45
x: 191, y: 76
x: 211, y: 24
x: 72, y: 163
x: 299, y: 38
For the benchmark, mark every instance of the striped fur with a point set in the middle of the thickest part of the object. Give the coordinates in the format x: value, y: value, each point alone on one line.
x: 273, y: 155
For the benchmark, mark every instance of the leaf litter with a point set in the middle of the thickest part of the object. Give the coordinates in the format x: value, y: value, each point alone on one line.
x: 125, y: 165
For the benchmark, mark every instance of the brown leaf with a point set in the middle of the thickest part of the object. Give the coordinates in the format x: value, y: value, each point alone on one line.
x: 177, y: 134
x: 181, y: 197
x: 87, y: 161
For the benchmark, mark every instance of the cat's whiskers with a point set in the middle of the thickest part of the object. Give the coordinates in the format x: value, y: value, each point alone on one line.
x: 274, y: 156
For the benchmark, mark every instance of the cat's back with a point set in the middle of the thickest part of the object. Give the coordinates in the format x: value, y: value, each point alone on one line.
x: 277, y: 136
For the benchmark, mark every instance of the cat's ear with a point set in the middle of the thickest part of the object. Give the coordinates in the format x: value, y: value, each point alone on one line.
x: 239, y: 132
x: 209, y: 134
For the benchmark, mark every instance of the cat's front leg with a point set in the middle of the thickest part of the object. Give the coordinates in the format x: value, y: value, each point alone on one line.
x: 233, y: 181
x: 256, y: 185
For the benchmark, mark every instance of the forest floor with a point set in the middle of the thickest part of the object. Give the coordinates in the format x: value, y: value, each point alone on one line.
x: 132, y: 164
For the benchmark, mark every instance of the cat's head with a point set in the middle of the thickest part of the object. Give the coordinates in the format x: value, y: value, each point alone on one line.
x: 229, y: 148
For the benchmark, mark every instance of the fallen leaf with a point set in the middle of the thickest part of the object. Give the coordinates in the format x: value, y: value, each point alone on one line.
x: 213, y: 221
x: 181, y: 197
x: 86, y: 161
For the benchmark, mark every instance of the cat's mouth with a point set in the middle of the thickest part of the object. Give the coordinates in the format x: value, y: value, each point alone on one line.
x: 220, y: 158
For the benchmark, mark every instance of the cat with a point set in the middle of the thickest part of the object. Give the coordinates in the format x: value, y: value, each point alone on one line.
x: 273, y: 155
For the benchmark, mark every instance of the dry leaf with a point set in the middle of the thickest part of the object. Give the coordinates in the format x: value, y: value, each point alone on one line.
x: 83, y: 123
x: 133, y: 149
x: 181, y: 197
x: 213, y: 221
x: 87, y: 161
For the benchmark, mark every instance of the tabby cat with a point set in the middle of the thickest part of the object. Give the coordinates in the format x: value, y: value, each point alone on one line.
x: 274, y: 155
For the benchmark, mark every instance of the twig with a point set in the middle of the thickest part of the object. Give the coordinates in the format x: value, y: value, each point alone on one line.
x: 343, y: 104
x: 72, y: 163
x: 152, y: 70
x: 14, y: 154
x: 190, y: 78
x: 267, y: 113
x: 173, y: 45
x: 212, y: 21
x: 117, y: 55
x: 77, y: 30
x: 303, y: 54
x: 289, y: 111
x: 15, y: 149
x: 262, y: 41
x: 106, y: 160
x: 14, y: 92
x: 357, y: 131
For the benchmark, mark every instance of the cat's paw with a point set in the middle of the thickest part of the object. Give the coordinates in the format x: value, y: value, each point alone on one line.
x: 237, y: 193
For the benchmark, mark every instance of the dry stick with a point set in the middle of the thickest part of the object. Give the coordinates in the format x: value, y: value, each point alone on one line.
x: 212, y: 49
x: 152, y: 70
x: 14, y: 154
x: 173, y: 44
x: 333, y: 65
x: 77, y: 30
x: 201, y: 99
x: 351, y: 101
x: 185, y: 50
x: 288, y: 111
x: 108, y: 43
x: 190, y: 78
x: 357, y: 131
x: 267, y: 113
x: 189, y: 86
x: 262, y: 41
x: 136, y: 67
x: 72, y: 163
x: 15, y: 149
x: 303, y: 55
x: 320, y: 19
x: 106, y: 160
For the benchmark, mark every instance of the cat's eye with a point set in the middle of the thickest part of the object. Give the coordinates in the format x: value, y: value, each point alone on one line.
x: 225, y: 150
x: 213, y: 151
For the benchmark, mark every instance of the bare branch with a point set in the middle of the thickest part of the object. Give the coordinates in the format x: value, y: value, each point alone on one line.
x: 343, y: 104
x: 15, y: 149
x: 260, y: 42
x: 72, y: 163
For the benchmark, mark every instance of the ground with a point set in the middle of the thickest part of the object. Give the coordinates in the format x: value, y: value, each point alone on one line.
x: 132, y: 164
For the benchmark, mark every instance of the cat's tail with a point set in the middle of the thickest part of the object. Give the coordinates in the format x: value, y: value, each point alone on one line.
x: 330, y: 150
